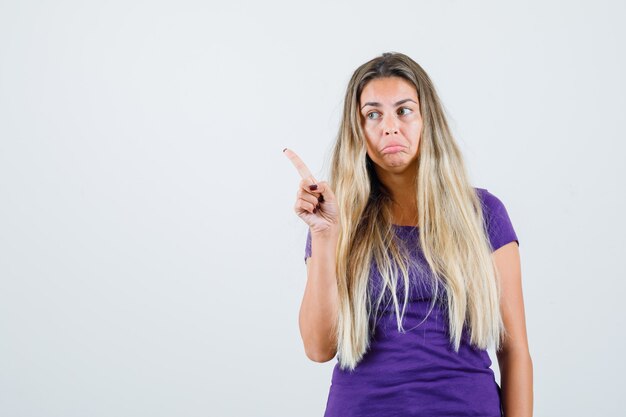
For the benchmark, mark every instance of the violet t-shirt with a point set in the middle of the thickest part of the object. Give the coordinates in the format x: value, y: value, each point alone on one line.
x: 417, y: 373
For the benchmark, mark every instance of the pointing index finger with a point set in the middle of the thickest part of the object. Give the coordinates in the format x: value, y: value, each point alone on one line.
x: 300, y: 166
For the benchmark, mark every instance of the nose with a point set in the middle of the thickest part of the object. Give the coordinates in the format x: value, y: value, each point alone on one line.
x: 390, y: 126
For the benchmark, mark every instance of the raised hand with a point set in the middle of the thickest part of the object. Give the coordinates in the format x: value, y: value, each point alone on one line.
x: 315, y: 201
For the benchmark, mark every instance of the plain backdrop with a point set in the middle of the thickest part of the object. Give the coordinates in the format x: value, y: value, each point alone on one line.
x: 151, y: 263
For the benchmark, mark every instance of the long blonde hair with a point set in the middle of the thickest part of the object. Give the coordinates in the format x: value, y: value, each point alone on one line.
x: 453, y: 235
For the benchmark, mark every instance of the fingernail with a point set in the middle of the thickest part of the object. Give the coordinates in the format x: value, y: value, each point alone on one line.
x: 314, y: 210
x: 313, y: 187
x: 284, y: 149
x: 321, y: 199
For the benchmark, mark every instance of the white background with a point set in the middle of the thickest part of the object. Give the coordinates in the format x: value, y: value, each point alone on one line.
x: 151, y: 263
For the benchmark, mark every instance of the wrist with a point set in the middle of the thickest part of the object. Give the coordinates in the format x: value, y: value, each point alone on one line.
x: 329, y: 233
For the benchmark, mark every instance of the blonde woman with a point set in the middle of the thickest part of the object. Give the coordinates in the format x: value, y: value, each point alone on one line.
x: 411, y: 272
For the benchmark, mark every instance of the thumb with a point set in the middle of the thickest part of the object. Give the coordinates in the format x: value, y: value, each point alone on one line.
x: 327, y: 193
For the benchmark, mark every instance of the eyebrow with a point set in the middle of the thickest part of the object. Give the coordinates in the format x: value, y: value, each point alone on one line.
x: 376, y: 104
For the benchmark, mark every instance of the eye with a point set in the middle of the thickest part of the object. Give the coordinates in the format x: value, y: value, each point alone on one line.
x: 407, y: 112
x: 370, y: 114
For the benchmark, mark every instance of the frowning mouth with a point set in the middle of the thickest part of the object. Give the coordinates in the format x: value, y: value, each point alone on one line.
x: 392, y: 149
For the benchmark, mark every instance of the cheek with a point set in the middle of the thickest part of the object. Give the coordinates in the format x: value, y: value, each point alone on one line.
x: 368, y: 138
x: 371, y: 147
x: 416, y: 131
x: 369, y: 131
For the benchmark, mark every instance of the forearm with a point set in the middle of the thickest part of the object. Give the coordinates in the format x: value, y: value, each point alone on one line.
x: 516, y: 382
x: 318, y: 313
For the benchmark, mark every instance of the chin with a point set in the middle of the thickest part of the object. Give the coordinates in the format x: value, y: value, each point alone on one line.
x: 396, y: 168
x: 396, y: 161
x: 398, y: 165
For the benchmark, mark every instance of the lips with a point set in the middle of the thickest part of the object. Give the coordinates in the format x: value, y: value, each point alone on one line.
x: 393, y: 147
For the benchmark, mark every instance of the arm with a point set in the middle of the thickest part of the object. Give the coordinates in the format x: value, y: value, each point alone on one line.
x: 319, y: 309
x: 516, y: 368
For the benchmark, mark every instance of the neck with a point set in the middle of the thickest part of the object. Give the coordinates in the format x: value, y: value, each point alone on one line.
x: 403, y: 193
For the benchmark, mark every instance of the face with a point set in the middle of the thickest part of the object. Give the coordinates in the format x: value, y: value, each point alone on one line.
x: 392, y: 123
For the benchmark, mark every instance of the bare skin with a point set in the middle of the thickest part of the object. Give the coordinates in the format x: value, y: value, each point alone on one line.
x: 516, y: 366
x: 391, y: 115
x: 317, y: 206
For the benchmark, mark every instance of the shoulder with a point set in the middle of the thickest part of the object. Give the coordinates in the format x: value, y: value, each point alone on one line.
x: 491, y: 204
x: 487, y: 198
x: 496, y: 218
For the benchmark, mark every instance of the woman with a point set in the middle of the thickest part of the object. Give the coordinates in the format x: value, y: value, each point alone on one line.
x: 412, y: 272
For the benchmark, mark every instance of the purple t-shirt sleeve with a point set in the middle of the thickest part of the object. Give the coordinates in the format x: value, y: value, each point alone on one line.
x: 499, y: 226
x: 307, y: 248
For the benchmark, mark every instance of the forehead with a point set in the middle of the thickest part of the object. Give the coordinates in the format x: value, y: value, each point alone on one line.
x: 388, y: 89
